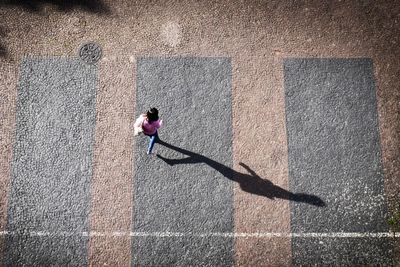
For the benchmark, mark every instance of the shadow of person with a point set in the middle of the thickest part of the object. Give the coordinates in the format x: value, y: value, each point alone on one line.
x: 251, y: 182
x: 93, y: 6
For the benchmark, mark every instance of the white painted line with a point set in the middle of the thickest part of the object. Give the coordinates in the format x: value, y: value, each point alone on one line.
x: 205, y: 235
x: 267, y: 235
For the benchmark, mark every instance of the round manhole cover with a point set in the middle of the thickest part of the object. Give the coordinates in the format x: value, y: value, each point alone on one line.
x: 90, y: 53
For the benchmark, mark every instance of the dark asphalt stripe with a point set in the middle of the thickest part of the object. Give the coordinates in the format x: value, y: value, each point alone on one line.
x: 189, y: 190
x: 183, y: 251
x: 342, y: 251
x: 52, y: 163
x: 334, y: 154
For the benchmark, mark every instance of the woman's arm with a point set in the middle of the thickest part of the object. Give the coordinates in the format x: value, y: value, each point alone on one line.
x: 159, y: 124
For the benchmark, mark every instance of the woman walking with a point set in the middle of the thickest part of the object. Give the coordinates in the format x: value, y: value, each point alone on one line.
x: 149, y: 123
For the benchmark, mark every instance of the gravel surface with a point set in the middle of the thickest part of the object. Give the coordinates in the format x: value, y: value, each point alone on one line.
x: 257, y: 37
x: 334, y: 152
x: 178, y: 191
x: 52, y: 162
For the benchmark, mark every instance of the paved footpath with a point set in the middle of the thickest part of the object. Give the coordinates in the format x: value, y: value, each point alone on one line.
x: 279, y: 145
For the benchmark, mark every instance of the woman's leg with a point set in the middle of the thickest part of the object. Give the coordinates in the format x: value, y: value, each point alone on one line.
x: 153, y: 140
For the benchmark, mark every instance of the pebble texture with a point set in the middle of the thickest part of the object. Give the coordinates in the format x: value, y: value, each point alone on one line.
x: 257, y: 36
x: 111, y: 187
x: 52, y: 163
x: 183, y: 251
x: 7, y: 98
x: 342, y: 252
x: 179, y: 191
x: 334, y: 152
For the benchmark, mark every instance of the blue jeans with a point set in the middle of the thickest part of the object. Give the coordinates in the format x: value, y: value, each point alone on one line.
x: 153, y: 139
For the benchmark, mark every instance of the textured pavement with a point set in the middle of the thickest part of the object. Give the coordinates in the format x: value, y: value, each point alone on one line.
x: 340, y: 45
x: 181, y: 193
x: 334, y: 152
x: 52, y: 163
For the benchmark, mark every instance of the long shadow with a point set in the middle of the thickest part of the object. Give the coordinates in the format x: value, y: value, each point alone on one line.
x: 251, y: 182
x: 93, y: 6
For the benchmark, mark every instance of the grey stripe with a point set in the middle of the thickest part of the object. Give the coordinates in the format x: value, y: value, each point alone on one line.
x: 342, y: 251
x: 194, y: 99
x: 334, y: 153
x: 52, y: 162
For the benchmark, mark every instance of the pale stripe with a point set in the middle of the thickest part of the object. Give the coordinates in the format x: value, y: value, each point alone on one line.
x: 179, y: 234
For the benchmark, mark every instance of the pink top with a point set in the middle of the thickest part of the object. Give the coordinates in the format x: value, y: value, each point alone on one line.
x: 148, y: 128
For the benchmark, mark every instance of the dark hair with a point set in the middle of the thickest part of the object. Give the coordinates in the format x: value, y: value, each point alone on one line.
x: 152, y: 114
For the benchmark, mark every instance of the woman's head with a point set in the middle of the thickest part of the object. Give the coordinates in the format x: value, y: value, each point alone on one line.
x: 152, y: 114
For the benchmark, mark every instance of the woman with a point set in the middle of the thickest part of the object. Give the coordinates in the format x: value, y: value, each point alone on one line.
x: 149, y: 123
